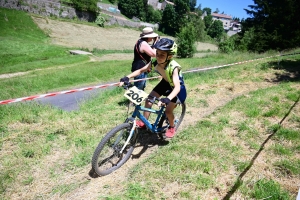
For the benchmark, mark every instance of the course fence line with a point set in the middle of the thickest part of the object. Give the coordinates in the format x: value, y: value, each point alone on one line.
x: 115, y: 84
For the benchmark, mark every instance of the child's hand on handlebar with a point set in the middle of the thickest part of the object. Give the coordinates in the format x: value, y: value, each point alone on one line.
x: 164, y: 101
x: 124, y: 80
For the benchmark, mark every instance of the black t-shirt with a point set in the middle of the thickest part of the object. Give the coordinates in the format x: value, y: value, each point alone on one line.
x: 140, y: 59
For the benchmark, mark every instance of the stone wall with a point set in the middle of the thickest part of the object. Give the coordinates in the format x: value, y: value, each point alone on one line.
x: 55, y: 8
x: 46, y: 8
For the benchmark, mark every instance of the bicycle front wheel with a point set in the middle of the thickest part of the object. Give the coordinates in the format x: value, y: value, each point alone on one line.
x: 108, y: 155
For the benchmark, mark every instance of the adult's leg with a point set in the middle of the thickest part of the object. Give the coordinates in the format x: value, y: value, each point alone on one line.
x: 140, y: 84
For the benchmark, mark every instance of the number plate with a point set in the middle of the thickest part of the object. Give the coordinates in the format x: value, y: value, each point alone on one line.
x: 135, y: 95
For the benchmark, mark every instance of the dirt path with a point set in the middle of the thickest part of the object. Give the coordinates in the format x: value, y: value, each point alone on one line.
x: 114, y: 183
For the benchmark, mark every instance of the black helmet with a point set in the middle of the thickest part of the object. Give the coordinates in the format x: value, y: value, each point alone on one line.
x: 166, y: 44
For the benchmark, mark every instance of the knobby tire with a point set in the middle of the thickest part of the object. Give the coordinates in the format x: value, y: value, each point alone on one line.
x: 107, y: 157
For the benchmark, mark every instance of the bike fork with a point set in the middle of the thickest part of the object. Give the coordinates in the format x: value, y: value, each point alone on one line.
x: 130, y: 136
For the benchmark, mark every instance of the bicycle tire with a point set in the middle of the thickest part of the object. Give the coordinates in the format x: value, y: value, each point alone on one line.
x: 180, y: 114
x: 107, y: 157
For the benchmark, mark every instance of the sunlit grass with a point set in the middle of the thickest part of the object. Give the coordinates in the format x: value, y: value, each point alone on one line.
x: 43, y: 145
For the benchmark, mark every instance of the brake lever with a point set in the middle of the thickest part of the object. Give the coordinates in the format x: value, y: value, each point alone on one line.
x: 153, y: 100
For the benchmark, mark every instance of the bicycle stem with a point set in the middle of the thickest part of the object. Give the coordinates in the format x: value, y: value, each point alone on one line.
x: 130, y: 136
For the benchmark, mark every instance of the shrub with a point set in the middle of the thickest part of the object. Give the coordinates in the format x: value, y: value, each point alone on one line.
x: 100, y: 20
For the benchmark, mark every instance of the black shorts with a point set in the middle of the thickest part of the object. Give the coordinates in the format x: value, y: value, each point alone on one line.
x: 163, y: 88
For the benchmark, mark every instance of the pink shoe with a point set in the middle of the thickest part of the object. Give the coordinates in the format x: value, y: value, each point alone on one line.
x: 140, y: 124
x: 170, y: 132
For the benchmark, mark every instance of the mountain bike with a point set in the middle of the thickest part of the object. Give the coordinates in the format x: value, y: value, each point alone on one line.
x: 118, y: 144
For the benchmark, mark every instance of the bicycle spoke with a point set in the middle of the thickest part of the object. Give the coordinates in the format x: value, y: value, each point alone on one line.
x: 107, y: 156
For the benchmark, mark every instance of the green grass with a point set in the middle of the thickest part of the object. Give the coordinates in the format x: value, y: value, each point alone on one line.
x: 268, y: 189
x: 25, y: 47
x: 41, y: 145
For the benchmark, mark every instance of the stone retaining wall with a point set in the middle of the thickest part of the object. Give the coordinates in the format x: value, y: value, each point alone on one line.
x: 54, y: 8
x: 41, y: 7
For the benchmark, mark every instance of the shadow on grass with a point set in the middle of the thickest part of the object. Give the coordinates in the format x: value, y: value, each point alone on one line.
x: 291, y: 69
x: 148, y: 140
x: 239, y: 180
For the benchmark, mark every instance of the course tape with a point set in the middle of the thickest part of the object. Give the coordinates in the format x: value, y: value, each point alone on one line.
x: 65, y: 92
x: 115, y: 84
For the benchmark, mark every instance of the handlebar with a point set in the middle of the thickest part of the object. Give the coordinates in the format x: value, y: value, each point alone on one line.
x: 127, y: 86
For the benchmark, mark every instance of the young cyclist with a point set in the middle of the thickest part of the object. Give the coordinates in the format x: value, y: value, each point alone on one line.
x: 172, y: 84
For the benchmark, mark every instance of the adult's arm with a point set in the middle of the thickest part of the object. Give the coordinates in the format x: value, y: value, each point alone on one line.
x: 146, y: 48
x: 139, y: 71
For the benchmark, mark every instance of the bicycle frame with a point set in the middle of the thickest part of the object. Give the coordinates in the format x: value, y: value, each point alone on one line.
x: 152, y: 127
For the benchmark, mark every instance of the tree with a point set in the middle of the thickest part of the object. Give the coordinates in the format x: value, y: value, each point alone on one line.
x: 208, y: 10
x: 208, y: 22
x: 86, y: 5
x: 216, y: 30
x: 199, y: 26
x: 174, y: 17
x: 192, y: 5
x: 275, y: 23
x: 199, y: 8
x: 181, y: 10
x: 217, y: 10
x: 132, y: 8
x: 186, y: 39
x: 168, y: 22
x: 153, y: 16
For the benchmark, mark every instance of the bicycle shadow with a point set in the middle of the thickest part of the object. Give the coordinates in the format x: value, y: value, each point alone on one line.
x: 147, y: 140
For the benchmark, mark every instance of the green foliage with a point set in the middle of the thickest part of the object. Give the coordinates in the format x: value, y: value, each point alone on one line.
x: 186, y: 40
x: 208, y: 22
x: 192, y: 5
x: 208, y: 11
x: 199, y: 26
x: 168, y: 22
x: 133, y: 8
x: 216, y: 30
x: 100, y: 21
x: 153, y: 16
x: 227, y: 46
x: 181, y: 10
x: 174, y: 17
x: 86, y: 5
x: 275, y: 24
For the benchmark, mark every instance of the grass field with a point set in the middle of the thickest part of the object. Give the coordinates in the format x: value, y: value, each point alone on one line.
x: 239, y: 139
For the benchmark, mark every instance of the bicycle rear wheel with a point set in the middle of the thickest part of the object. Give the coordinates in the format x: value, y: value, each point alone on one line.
x: 179, y: 113
x: 108, y: 156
